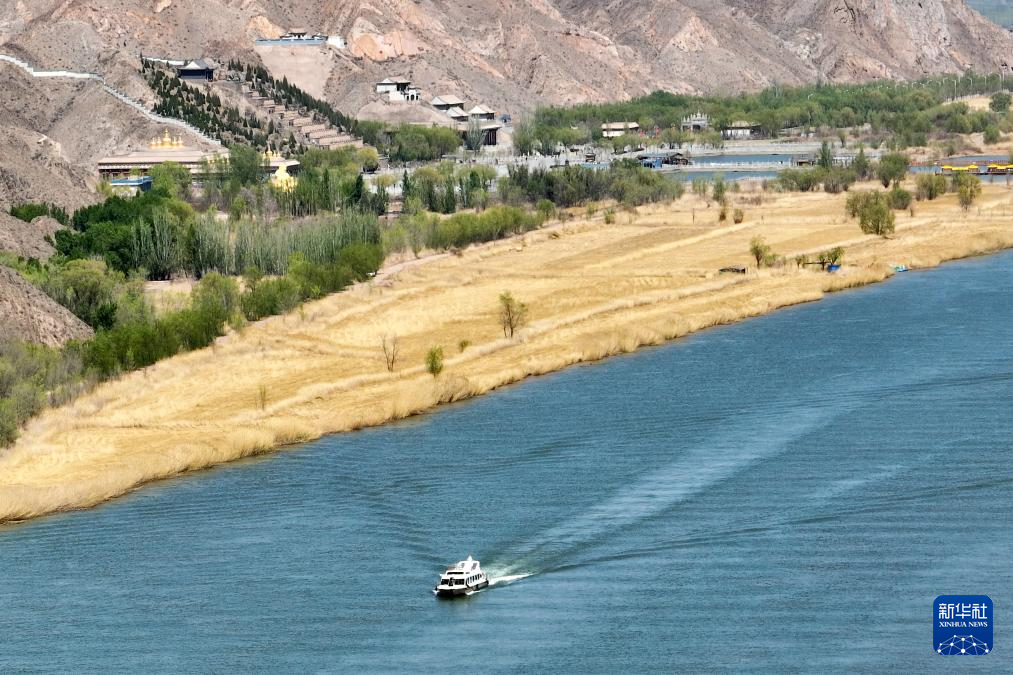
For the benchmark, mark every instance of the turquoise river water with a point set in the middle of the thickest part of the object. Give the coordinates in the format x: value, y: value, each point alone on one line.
x: 787, y: 494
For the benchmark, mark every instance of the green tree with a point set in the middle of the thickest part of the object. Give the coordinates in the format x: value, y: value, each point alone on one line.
x: 246, y: 165
x: 474, y: 137
x: 991, y: 134
x: 760, y: 251
x: 172, y: 178
x: 829, y: 257
x: 875, y: 216
x: 968, y: 190
x: 860, y: 165
x: 720, y: 189
x: 512, y: 314
x: 892, y: 168
x: 825, y: 159
x: 929, y: 186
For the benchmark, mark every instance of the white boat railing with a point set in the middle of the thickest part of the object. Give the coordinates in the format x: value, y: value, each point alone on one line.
x: 113, y: 91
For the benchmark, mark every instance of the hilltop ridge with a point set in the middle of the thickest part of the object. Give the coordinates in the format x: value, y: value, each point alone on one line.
x: 518, y: 54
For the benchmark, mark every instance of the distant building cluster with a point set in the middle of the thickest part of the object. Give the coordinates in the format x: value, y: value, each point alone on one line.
x: 480, y: 115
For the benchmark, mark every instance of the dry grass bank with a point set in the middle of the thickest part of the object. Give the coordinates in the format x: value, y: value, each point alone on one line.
x: 593, y: 290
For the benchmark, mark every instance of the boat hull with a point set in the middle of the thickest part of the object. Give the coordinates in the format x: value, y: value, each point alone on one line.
x: 459, y: 592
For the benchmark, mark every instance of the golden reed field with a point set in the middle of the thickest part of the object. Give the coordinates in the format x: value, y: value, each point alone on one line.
x: 592, y: 290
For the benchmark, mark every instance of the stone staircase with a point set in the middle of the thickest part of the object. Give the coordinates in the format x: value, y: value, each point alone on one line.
x: 307, y: 128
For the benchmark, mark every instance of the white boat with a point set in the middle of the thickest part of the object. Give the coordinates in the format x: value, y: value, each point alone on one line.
x: 463, y: 578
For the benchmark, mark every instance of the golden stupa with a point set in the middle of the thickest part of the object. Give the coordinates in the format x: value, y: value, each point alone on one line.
x: 166, y: 142
x: 283, y: 180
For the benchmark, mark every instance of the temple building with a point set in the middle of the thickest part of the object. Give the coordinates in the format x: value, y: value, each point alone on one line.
x: 171, y: 149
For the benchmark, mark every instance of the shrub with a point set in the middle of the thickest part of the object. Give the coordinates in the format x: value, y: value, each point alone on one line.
x: 857, y: 200
x: 800, y: 180
x: 1000, y: 102
x: 546, y: 209
x: 838, y: 180
x: 930, y: 186
x: 270, y: 297
x: 992, y: 135
x: 434, y: 361
x: 829, y: 257
x: 738, y: 216
x: 8, y: 423
x: 497, y: 222
x: 30, y: 211
x: 899, y: 198
x: 610, y: 216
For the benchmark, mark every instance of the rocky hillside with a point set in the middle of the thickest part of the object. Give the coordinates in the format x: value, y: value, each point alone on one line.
x: 27, y: 240
x: 518, y: 53
x: 26, y: 313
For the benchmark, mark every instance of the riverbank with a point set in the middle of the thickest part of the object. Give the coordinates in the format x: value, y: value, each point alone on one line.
x: 593, y: 290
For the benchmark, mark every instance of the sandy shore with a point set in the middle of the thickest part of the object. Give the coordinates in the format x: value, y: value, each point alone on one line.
x: 593, y: 290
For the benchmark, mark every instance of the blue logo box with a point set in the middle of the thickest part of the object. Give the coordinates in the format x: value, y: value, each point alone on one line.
x: 962, y: 625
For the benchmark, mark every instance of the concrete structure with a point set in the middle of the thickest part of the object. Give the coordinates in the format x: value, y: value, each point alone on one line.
x: 168, y: 149
x: 697, y: 122
x: 617, y: 129
x: 398, y: 89
x: 740, y: 130
x: 198, y: 69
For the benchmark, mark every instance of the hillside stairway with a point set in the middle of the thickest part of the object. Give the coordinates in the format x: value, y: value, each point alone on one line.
x: 309, y: 129
x: 112, y: 91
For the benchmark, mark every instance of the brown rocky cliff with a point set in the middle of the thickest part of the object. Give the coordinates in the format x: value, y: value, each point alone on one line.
x: 519, y: 53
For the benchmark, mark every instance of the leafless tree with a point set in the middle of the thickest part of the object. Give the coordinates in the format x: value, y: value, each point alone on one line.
x: 391, y: 346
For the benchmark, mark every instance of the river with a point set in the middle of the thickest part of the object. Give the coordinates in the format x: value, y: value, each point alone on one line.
x: 786, y: 494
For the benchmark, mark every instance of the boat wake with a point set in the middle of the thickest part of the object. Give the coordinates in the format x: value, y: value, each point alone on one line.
x: 751, y: 439
x: 507, y: 579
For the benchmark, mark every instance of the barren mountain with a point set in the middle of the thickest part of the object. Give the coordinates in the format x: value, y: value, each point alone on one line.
x: 517, y: 53
x: 52, y: 131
